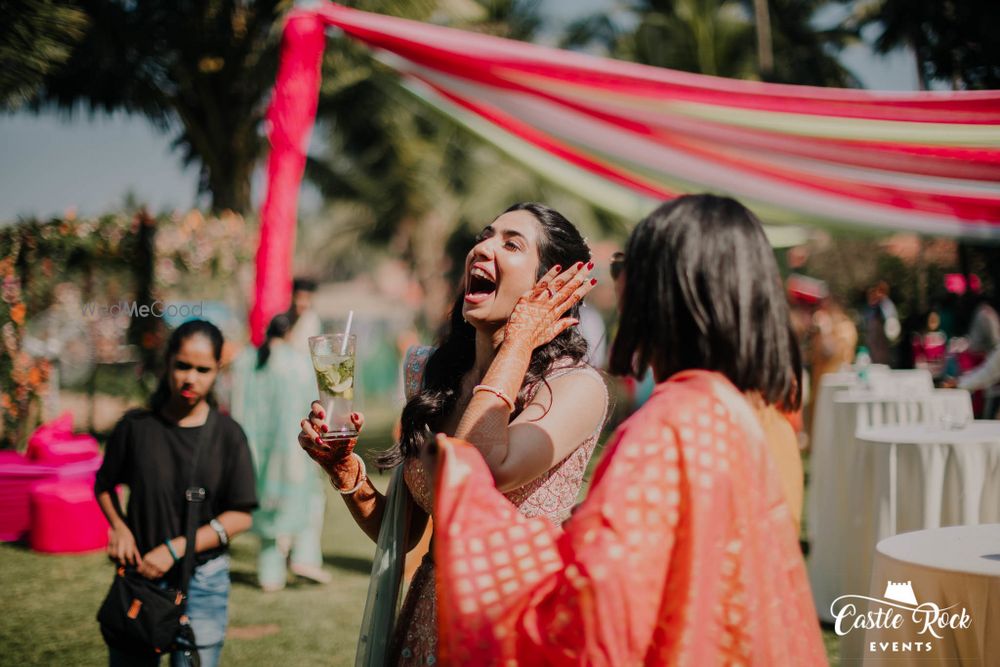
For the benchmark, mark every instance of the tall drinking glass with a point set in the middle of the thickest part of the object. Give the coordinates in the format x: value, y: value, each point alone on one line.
x: 334, y: 365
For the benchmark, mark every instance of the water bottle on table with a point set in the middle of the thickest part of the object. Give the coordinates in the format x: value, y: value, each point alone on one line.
x: 863, y: 366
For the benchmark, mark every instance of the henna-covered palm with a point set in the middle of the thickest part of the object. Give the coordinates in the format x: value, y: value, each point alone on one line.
x: 334, y: 456
x: 538, y: 315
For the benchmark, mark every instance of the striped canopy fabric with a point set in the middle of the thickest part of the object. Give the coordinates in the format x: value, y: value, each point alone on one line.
x: 625, y: 136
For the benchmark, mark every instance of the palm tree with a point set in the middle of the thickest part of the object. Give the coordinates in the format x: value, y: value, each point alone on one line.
x: 951, y: 41
x: 36, y: 37
x: 805, y: 54
x: 765, y: 49
x: 718, y: 37
x: 201, y: 71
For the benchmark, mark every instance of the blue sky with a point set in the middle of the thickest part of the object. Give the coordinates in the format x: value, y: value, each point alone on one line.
x: 49, y: 164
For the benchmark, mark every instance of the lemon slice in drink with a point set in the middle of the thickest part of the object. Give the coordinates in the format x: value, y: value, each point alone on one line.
x: 342, y: 386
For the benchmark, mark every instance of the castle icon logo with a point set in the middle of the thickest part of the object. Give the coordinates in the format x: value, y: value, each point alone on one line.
x: 900, y: 592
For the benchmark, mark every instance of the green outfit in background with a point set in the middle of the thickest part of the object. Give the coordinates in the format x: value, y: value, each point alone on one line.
x: 269, y: 403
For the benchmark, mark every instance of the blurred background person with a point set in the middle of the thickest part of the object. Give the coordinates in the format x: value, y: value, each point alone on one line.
x: 306, y: 554
x: 270, y: 385
x: 303, y: 317
x: 929, y: 343
x: 152, y: 452
x: 833, y: 340
x: 882, y: 326
x: 804, y: 296
x: 984, y: 326
x: 974, y: 362
x: 984, y: 378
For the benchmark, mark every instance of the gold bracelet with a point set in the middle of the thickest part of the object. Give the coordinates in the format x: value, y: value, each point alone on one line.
x: 500, y: 393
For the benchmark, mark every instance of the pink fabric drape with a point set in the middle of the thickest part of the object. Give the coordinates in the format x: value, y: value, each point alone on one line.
x: 290, y: 118
x: 925, y: 162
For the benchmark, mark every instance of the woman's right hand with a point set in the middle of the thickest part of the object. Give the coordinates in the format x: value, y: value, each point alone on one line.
x: 334, y: 456
x: 121, y: 546
x: 537, y: 317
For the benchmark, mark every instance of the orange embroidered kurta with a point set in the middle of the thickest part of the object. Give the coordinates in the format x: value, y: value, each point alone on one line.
x: 683, y: 553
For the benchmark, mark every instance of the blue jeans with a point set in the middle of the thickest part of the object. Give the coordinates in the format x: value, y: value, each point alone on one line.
x: 208, y: 609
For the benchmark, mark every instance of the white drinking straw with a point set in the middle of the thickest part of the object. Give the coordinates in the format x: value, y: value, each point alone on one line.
x: 347, y: 333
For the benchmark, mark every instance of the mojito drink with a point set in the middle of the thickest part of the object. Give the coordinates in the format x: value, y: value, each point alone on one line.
x: 335, y: 380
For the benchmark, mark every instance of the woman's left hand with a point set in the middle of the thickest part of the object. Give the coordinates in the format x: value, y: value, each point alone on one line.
x: 156, y: 562
x: 538, y: 315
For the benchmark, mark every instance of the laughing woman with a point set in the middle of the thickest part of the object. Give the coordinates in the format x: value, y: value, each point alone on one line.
x: 508, y: 377
x: 684, y: 552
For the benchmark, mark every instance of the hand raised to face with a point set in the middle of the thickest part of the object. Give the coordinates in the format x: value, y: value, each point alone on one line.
x: 538, y: 314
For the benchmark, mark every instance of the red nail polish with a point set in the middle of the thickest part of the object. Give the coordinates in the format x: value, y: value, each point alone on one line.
x: 324, y: 427
x: 590, y: 265
x: 558, y: 267
x: 579, y: 264
x: 593, y: 281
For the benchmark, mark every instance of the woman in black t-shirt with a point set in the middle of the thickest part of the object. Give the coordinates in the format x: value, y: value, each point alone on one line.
x: 152, y: 452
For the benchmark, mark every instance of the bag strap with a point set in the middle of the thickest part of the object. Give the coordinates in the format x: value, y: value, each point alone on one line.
x: 195, y: 496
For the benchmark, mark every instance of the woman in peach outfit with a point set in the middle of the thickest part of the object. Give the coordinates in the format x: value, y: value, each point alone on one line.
x: 684, y: 552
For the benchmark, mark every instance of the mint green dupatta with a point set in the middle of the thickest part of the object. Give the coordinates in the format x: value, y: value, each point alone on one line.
x: 386, y: 583
x: 385, y: 586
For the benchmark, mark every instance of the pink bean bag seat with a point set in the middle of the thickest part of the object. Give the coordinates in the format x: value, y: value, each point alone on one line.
x: 54, y: 453
x: 17, y: 477
x: 65, y: 517
x: 55, y: 443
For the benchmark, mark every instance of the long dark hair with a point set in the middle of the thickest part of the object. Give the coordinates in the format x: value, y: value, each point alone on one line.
x: 559, y: 243
x: 177, y: 338
x: 279, y: 327
x: 702, y: 290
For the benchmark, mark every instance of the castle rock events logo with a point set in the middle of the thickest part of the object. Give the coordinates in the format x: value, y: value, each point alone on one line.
x: 897, y: 607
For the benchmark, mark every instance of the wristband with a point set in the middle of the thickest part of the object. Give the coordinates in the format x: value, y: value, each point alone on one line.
x: 220, y: 531
x: 173, y: 553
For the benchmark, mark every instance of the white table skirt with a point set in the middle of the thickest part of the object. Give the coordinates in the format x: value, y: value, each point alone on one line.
x: 831, y: 521
x: 920, y: 476
x: 958, y: 565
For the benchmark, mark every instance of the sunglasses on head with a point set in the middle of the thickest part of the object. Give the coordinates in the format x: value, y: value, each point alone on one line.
x: 617, y: 264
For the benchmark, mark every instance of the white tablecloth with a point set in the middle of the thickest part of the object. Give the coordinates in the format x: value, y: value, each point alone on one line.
x: 833, y: 464
x: 919, y: 476
x: 958, y: 565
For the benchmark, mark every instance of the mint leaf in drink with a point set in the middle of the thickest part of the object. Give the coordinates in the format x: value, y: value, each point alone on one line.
x: 327, y: 379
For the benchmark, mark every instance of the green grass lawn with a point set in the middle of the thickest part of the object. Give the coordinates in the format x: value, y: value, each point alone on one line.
x: 51, y: 602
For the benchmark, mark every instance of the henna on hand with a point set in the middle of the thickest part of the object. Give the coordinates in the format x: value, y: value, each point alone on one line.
x: 538, y: 315
x: 333, y: 455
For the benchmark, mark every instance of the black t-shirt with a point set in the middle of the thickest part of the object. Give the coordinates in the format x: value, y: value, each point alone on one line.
x: 153, y: 457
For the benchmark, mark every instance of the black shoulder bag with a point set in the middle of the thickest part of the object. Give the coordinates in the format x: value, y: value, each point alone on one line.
x: 140, y: 617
